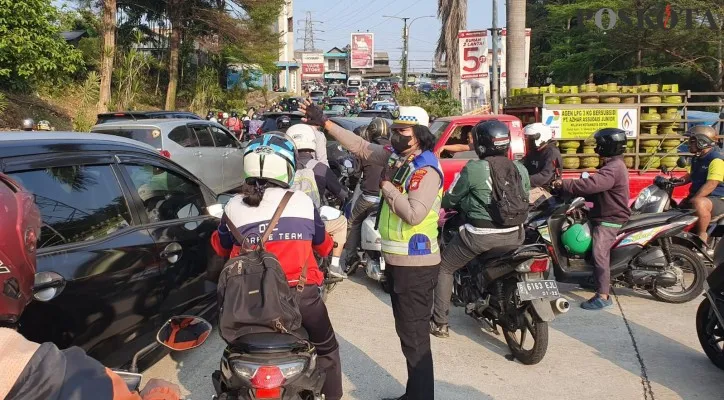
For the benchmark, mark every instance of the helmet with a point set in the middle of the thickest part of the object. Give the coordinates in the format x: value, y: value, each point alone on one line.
x: 411, y: 115
x: 539, y: 132
x: 610, y: 142
x: 43, y: 125
x: 577, y: 239
x: 18, y: 235
x: 209, y: 115
x: 226, y: 115
x: 28, y: 124
x: 491, y: 138
x: 283, y: 122
x: 377, y: 129
x: 303, y: 136
x: 234, y: 114
x: 703, y: 136
x: 271, y: 156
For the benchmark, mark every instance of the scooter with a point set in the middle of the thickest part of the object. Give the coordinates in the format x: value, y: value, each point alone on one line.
x: 506, y: 287
x: 269, y: 366
x: 710, y: 314
x: 644, y: 256
x: 183, y: 326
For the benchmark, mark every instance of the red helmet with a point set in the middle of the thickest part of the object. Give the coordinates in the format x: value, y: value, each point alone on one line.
x: 19, y: 234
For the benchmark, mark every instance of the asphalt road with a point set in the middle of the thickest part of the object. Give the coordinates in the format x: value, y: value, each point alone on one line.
x: 638, y: 349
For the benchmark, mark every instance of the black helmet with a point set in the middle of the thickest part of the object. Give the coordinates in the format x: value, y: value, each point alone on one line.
x: 491, y: 138
x: 610, y: 142
x: 702, y: 136
x: 283, y: 123
x: 209, y: 115
x: 376, y: 130
x: 234, y: 114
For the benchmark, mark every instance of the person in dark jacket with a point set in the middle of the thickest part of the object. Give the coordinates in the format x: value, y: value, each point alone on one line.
x: 376, y: 132
x: 608, y: 190
x: 542, y: 159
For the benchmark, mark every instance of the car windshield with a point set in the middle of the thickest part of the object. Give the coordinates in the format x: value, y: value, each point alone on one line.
x: 148, y: 135
x: 438, y: 127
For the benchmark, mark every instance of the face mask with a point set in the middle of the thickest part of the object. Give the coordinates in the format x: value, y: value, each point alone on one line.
x: 400, y: 142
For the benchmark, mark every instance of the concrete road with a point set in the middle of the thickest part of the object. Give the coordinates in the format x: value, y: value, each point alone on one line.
x: 638, y: 349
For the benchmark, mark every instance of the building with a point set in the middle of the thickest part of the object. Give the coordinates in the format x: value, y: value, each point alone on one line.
x: 289, y: 72
x: 380, y: 68
x: 74, y: 37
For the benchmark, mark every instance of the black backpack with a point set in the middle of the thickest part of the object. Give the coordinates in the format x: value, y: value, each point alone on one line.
x: 253, y: 292
x: 509, y: 205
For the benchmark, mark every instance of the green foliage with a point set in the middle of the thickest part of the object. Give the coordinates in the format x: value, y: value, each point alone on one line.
x: 207, y: 92
x: 3, y: 103
x: 129, y: 75
x: 85, y: 115
x: 30, y: 46
x: 235, y: 99
x: 438, y: 103
x: 91, y: 50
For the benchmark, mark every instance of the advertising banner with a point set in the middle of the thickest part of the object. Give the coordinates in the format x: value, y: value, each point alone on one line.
x: 362, y: 50
x: 474, y: 69
x: 581, y: 123
x: 312, y: 65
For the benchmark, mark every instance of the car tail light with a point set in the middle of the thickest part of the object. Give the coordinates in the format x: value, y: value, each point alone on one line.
x: 165, y: 153
x: 539, y: 265
x: 267, y: 377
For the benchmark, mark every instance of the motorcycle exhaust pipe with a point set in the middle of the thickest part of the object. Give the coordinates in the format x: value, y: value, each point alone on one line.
x: 560, y: 305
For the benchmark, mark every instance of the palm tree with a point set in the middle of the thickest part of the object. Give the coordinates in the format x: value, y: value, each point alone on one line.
x: 453, y: 15
x: 515, y: 44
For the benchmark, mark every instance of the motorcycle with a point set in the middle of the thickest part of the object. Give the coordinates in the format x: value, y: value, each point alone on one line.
x: 269, y: 366
x: 506, y: 287
x: 710, y: 314
x: 183, y: 326
x: 644, y: 257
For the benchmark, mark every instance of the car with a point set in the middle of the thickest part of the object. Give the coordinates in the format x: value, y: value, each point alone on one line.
x: 336, y: 110
x: 351, y: 123
x: 382, y: 85
x: 124, y: 243
x: 140, y: 115
x: 376, y: 113
x: 316, y: 93
x: 205, y: 148
x: 316, y: 99
x: 383, y: 105
x: 270, y: 119
x: 384, y: 95
x: 340, y: 100
x: 352, y: 91
x: 425, y: 88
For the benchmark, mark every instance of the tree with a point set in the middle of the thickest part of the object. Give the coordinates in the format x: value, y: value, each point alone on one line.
x: 107, y: 52
x: 515, y: 44
x: 453, y: 14
x: 31, y: 48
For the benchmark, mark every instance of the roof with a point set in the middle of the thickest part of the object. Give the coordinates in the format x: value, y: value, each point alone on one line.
x: 10, y: 140
x: 155, y: 122
x: 476, y: 118
x: 69, y: 36
x: 280, y: 113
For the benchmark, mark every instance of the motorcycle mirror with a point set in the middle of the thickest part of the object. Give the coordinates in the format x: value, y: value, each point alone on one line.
x: 683, y: 162
x: 184, y: 332
x: 578, y: 202
x: 664, y: 169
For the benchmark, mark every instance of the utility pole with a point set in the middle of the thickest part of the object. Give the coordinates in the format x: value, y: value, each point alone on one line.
x: 309, y: 32
x: 494, y: 92
x: 405, y: 40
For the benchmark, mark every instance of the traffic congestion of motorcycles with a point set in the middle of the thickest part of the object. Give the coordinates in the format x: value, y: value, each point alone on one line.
x: 128, y: 214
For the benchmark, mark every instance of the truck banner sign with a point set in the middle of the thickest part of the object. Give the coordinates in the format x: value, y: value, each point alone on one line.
x: 581, y: 123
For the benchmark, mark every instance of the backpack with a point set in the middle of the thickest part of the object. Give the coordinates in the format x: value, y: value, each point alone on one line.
x: 253, y: 292
x: 305, y: 181
x: 508, y: 203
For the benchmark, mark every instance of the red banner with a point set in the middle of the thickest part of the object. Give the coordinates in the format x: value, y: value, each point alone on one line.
x: 312, y: 65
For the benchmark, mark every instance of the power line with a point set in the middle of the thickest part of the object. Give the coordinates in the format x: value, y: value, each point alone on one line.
x: 309, y: 32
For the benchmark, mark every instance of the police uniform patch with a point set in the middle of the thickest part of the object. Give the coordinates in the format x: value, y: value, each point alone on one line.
x: 416, y: 178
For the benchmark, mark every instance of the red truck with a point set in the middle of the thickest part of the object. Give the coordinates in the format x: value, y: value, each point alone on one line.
x: 449, y: 130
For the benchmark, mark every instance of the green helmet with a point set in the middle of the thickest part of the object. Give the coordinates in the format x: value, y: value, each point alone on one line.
x: 577, y: 239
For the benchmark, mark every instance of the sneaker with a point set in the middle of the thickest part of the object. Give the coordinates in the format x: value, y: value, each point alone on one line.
x: 439, y: 330
x: 596, y: 303
x: 336, y: 271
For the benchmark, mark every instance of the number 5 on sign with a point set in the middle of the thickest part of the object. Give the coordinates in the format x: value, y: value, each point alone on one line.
x: 472, y: 57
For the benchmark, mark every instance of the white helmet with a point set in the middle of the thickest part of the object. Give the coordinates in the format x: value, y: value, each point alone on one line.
x: 540, y: 132
x: 411, y: 115
x: 271, y: 157
x: 304, y: 136
x: 226, y: 115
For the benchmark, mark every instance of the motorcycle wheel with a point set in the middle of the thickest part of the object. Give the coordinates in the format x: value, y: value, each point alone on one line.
x: 686, y: 261
x: 710, y: 333
x: 534, y: 328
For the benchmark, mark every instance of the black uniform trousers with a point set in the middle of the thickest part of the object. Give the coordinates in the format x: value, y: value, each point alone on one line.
x: 412, y: 298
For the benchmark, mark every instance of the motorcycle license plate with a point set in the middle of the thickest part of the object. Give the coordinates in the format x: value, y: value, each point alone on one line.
x: 533, y: 290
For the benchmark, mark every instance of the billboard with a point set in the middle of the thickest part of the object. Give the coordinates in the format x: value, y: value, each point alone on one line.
x: 362, y: 50
x: 312, y: 65
x: 580, y: 123
x: 474, y: 68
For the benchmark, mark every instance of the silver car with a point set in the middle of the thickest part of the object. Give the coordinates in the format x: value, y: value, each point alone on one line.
x: 205, y: 148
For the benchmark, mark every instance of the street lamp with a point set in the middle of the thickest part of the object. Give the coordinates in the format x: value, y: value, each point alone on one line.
x: 405, y: 38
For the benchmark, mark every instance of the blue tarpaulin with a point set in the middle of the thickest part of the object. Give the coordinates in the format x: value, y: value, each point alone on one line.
x: 706, y: 118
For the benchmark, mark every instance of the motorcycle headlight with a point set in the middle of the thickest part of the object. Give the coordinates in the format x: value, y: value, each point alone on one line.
x: 642, y: 198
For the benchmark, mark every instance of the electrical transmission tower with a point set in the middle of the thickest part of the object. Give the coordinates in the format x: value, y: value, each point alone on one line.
x: 309, y: 32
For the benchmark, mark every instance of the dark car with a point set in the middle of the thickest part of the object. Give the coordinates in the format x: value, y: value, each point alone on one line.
x: 340, y: 100
x: 125, y: 241
x: 376, y: 113
x: 138, y: 115
x: 350, y: 123
x: 384, y: 95
x: 425, y: 88
x: 270, y: 119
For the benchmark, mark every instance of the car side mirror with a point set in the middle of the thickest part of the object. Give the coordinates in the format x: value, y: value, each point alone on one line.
x: 184, y: 332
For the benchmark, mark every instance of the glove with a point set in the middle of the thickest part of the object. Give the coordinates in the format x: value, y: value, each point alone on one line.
x: 676, y: 180
x: 314, y: 114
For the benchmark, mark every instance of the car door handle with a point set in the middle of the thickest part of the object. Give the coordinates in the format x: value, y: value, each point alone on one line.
x: 172, y: 252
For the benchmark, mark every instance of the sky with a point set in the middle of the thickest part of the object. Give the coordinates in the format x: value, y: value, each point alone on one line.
x: 339, y: 18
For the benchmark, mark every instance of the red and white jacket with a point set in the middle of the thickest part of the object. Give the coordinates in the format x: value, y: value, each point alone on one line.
x: 299, y: 231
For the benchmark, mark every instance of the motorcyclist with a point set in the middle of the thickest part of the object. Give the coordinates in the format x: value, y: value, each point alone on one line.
x: 42, y: 371
x: 542, y: 159
x: 234, y: 124
x: 269, y: 165
x: 706, y: 194
x: 376, y: 132
x: 608, y: 190
x: 209, y: 115
x: 28, y: 124
x: 471, y: 194
x: 304, y: 138
x: 283, y: 123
